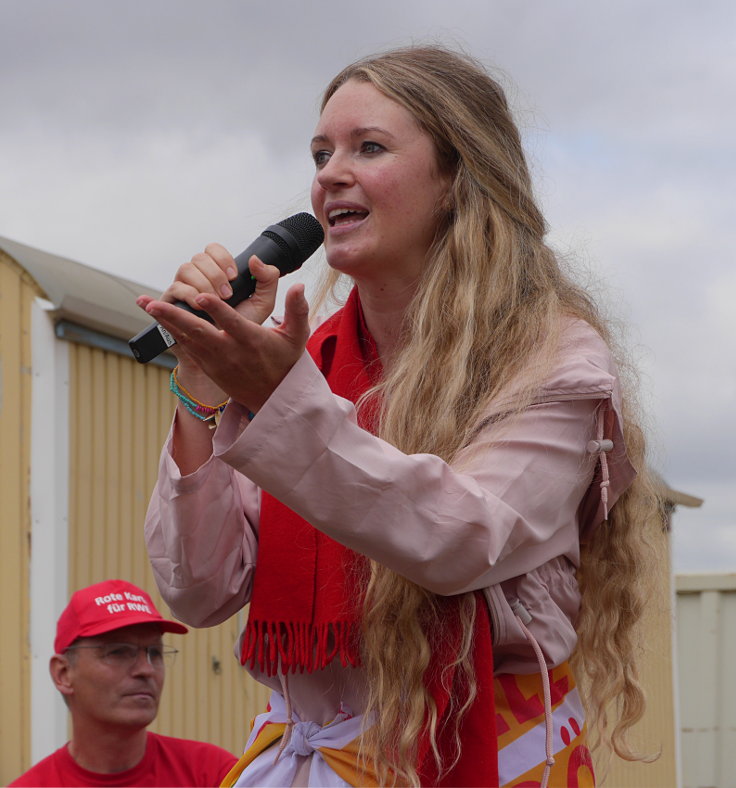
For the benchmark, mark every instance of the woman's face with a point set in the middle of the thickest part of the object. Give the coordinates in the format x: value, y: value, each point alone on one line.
x: 377, y: 187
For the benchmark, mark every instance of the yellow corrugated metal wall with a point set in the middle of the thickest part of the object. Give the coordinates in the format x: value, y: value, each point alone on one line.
x: 120, y: 414
x: 16, y: 296
x: 656, y: 732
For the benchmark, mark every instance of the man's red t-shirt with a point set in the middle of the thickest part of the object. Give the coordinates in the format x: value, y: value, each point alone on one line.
x: 167, y: 762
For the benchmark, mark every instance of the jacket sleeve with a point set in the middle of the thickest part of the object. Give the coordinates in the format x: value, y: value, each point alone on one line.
x: 502, y: 509
x: 201, y: 535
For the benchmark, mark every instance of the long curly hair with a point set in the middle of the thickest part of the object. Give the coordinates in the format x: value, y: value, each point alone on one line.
x: 487, y: 307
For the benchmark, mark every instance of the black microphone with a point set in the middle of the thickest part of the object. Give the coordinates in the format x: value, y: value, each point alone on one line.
x: 286, y: 245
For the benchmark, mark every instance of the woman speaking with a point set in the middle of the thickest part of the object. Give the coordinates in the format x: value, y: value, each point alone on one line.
x: 433, y: 502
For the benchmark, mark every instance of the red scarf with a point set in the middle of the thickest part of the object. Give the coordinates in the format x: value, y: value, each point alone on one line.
x: 304, y: 611
x: 301, y: 616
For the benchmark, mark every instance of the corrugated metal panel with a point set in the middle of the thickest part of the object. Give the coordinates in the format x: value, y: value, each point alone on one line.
x: 16, y: 296
x: 120, y: 414
x: 656, y: 732
x: 706, y: 652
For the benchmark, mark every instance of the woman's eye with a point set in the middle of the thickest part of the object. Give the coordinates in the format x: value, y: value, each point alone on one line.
x: 320, y: 157
x: 371, y: 147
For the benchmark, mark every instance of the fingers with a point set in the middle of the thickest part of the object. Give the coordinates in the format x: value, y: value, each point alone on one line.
x: 244, y: 359
x: 207, y: 272
x: 199, y: 344
x: 295, y: 326
x: 261, y: 304
x: 223, y: 271
x: 209, y: 344
x: 143, y: 301
x: 188, y: 330
x: 223, y: 258
x: 296, y: 316
x: 213, y: 271
x: 264, y: 275
x: 226, y: 318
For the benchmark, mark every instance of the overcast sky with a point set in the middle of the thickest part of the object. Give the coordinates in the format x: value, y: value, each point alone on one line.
x: 133, y: 133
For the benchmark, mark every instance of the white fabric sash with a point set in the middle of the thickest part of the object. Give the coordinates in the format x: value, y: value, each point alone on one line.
x: 305, y: 740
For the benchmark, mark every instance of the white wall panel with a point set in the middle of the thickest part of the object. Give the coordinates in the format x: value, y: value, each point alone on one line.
x: 706, y: 654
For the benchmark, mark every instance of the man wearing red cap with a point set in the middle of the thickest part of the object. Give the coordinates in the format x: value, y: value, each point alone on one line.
x: 109, y: 668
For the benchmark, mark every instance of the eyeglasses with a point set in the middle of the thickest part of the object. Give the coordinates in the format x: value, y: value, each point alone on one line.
x: 125, y: 655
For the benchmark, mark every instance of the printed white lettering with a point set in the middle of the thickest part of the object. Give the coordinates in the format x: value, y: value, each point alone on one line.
x: 168, y: 339
x: 105, y: 600
x: 138, y: 606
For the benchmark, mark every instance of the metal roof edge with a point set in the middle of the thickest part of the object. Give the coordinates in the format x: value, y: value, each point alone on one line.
x: 82, y: 294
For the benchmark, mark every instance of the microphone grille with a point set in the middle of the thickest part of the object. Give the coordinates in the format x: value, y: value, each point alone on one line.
x: 307, y: 232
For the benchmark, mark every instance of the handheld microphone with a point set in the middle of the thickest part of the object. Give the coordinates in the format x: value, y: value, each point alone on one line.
x: 286, y: 245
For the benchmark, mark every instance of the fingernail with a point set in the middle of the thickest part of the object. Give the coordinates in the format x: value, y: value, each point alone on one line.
x: 226, y: 291
x: 232, y: 273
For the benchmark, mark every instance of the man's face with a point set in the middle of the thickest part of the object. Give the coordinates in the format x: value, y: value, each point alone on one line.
x: 104, y: 686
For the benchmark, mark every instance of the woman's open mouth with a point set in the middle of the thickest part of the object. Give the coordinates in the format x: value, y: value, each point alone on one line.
x: 344, y: 216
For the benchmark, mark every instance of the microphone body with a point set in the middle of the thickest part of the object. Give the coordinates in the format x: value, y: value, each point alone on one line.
x: 285, y: 245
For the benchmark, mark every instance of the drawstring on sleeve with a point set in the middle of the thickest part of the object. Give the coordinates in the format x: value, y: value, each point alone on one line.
x: 601, y: 446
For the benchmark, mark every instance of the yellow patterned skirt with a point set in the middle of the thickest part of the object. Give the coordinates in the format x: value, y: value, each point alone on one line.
x: 520, y: 724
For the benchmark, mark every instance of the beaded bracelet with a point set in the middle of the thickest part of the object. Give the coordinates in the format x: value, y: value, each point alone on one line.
x: 198, y: 409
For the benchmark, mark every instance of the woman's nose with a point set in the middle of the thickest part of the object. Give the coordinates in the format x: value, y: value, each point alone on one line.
x: 337, y: 171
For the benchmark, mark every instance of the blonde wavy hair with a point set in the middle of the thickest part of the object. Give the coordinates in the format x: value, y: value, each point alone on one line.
x: 489, y: 302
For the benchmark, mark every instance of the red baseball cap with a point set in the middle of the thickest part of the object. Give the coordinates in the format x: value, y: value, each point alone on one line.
x: 105, y: 606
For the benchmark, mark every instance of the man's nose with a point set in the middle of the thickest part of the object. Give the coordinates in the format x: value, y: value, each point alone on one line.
x: 143, y: 662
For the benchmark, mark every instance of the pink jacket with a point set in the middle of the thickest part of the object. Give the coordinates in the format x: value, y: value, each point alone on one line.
x: 505, y: 517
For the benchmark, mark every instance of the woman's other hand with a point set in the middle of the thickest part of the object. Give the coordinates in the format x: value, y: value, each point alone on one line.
x: 211, y: 272
x: 244, y: 359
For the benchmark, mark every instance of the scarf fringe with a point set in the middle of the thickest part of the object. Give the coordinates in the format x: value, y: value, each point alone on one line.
x: 291, y: 646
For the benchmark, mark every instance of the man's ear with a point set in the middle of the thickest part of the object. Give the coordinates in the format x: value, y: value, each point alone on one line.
x: 61, y: 674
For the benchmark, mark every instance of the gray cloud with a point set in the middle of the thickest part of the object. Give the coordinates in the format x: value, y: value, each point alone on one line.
x: 135, y: 133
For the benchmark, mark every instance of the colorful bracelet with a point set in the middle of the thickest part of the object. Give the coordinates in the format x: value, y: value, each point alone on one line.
x: 198, y: 409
